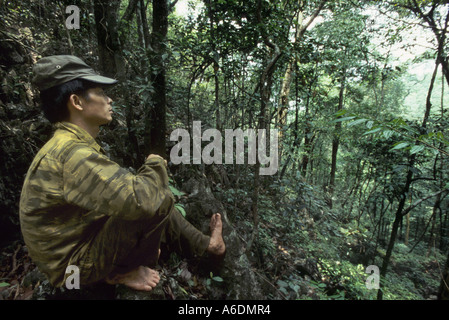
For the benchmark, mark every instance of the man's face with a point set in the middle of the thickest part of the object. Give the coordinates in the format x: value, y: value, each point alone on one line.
x: 97, y: 107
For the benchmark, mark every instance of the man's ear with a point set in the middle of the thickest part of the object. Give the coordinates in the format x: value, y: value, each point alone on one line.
x: 75, y: 102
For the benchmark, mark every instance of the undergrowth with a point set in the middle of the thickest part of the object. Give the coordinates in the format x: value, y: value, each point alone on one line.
x: 307, y: 252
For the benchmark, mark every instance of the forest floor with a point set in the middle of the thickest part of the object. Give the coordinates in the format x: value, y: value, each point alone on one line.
x: 18, y: 279
x: 15, y: 264
x: 296, y: 258
x: 412, y: 276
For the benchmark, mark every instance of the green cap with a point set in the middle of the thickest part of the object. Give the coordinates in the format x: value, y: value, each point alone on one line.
x: 55, y: 70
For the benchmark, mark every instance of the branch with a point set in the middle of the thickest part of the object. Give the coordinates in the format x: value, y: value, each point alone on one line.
x: 314, y: 15
x: 269, y: 43
x: 171, y: 5
x: 129, y: 10
x: 427, y: 17
x: 418, y: 202
x: 13, y: 38
x: 405, y: 6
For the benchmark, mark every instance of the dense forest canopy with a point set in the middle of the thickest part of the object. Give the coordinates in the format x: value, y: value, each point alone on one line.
x: 356, y: 92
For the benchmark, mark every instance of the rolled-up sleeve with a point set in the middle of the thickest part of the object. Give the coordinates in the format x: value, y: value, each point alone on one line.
x: 96, y: 183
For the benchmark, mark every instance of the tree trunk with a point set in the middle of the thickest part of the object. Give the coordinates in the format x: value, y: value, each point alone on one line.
x: 264, y: 123
x: 155, y: 124
x: 210, y: 11
x: 407, y: 229
x: 112, y: 62
x: 395, y: 227
x: 443, y: 293
x: 307, y: 141
x: 308, y: 136
x: 109, y: 49
x: 294, y: 60
x: 285, y: 89
x: 336, y: 140
x: 142, y: 11
x: 264, y: 85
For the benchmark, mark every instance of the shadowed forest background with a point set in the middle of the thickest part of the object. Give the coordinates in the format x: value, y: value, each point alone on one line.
x: 356, y: 89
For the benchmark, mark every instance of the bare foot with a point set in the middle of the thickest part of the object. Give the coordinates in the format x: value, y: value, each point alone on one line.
x: 142, y: 278
x: 216, y: 244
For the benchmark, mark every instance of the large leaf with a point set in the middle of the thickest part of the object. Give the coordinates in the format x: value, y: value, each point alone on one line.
x: 372, y: 131
x: 356, y: 122
x: 401, y: 145
x: 344, y: 119
x: 176, y: 192
x: 416, y: 149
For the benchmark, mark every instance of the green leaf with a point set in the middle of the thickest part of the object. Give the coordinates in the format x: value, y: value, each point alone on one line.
x: 388, y: 133
x: 183, y: 290
x: 401, y: 145
x: 372, y: 131
x: 356, y: 122
x: 282, y: 283
x: 215, y: 278
x: 176, y: 192
x: 4, y: 284
x: 344, y: 119
x: 416, y: 149
x: 181, y: 209
x: 218, y: 279
x: 283, y: 290
x: 441, y: 138
x: 340, y: 113
x: 293, y: 286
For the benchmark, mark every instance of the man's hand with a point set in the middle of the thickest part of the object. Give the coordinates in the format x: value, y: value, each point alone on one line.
x: 156, y: 156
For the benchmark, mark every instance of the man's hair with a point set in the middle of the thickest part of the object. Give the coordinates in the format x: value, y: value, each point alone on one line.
x: 54, y: 100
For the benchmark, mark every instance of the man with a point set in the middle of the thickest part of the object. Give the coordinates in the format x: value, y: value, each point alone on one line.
x: 79, y: 208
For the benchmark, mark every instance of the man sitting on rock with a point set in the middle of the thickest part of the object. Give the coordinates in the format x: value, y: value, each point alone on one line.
x: 79, y: 208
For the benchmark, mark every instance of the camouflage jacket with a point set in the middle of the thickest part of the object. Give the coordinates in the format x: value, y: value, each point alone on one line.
x: 71, y: 188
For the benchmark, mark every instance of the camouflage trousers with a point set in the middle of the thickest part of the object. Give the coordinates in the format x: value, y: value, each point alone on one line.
x: 122, y: 245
